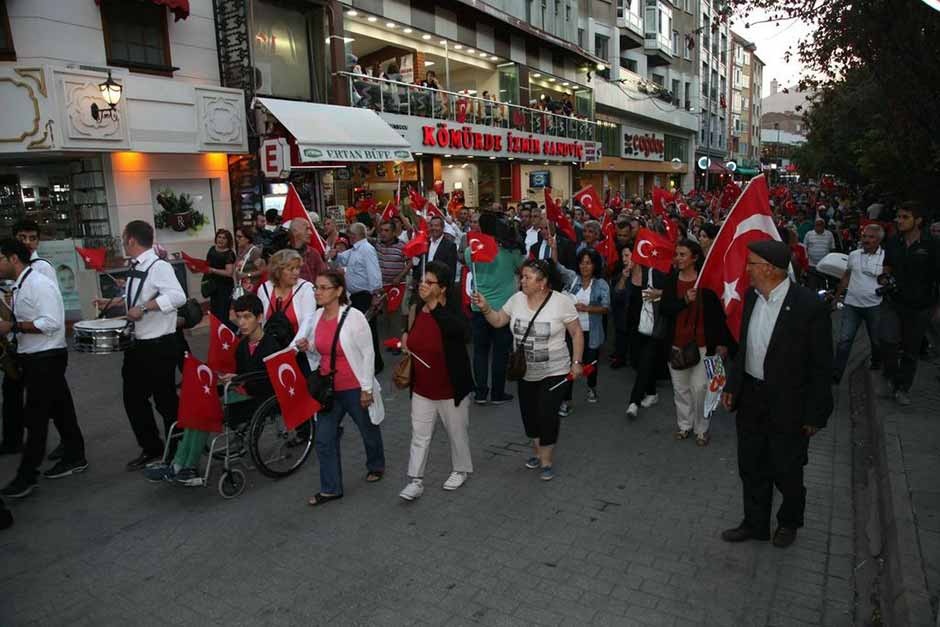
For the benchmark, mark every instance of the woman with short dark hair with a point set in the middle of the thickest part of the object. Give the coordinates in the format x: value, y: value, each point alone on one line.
x: 221, y: 259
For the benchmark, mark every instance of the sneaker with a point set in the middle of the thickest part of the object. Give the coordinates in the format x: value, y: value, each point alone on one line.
x: 633, y: 411
x: 480, y: 400
x: 502, y: 400
x: 188, y: 477
x: 532, y: 463
x: 413, y: 490
x: 455, y: 480
x: 649, y: 401
x: 56, y: 453
x: 564, y: 409
x: 157, y: 473
x: 18, y: 488
x: 592, y: 395
x: 64, y: 469
x: 547, y: 474
x: 902, y: 398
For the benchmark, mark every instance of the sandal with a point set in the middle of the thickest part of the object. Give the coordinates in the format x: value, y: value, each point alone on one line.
x: 320, y: 499
x: 703, y: 440
x: 375, y: 475
x: 681, y: 435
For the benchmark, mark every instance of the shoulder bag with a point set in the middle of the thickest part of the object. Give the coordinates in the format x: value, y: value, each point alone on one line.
x: 402, y: 375
x: 651, y: 323
x: 688, y: 356
x: 320, y: 385
x: 516, y: 366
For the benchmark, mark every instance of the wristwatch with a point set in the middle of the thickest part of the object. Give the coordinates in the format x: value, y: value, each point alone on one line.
x: 576, y: 362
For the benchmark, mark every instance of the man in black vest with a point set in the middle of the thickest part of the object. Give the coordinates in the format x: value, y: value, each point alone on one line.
x: 779, y: 383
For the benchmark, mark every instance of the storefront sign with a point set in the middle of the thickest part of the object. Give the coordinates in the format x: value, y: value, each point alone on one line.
x: 452, y: 138
x: 642, y: 144
x: 275, y: 158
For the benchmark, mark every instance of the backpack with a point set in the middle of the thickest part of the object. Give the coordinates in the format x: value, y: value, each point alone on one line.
x: 278, y: 326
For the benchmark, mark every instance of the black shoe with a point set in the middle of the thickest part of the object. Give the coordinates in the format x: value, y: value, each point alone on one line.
x: 742, y: 534
x: 6, y: 519
x: 56, y: 453
x: 64, y: 469
x: 141, y: 461
x: 18, y: 488
x: 10, y: 449
x: 784, y: 537
x: 502, y: 400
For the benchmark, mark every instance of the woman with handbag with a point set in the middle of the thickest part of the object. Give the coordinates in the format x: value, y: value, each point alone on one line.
x: 343, y: 381
x: 289, y: 304
x: 696, y: 328
x: 217, y: 283
x: 247, y: 275
x: 440, y: 381
x: 648, y: 336
x: 591, y: 295
x: 539, y: 317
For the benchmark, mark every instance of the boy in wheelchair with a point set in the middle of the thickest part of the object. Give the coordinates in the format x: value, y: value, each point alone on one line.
x: 250, y: 386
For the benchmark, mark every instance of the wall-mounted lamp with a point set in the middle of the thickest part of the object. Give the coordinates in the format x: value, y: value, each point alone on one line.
x: 111, y: 93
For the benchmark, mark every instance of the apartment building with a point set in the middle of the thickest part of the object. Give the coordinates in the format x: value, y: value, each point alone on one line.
x: 714, y: 47
x: 745, y: 100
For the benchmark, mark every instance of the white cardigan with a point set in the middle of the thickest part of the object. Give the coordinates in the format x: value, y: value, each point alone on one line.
x: 305, y: 305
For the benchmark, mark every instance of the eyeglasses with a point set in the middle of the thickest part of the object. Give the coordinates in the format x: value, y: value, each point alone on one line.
x: 758, y: 263
x: 327, y: 287
x: 426, y: 282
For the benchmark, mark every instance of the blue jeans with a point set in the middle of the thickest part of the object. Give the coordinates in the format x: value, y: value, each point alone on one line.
x: 329, y: 433
x: 852, y: 318
x: 488, y: 339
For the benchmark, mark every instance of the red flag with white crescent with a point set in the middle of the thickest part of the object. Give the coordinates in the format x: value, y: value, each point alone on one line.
x: 592, y: 203
x: 294, y: 208
x: 483, y: 248
x: 417, y: 200
x: 433, y: 211
x: 557, y: 217
x: 93, y: 257
x: 200, y: 407
x: 725, y: 269
x: 394, y: 295
x: 660, y: 197
x: 222, y: 345
x: 391, y: 210
x: 290, y: 387
x: 417, y: 246
x: 199, y: 266
x: 653, y: 250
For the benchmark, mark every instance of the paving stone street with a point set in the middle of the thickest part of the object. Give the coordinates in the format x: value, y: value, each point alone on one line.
x: 627, y: 534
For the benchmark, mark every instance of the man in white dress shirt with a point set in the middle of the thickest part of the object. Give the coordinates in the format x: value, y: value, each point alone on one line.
x: 38, y: 326
x: 858, y: 292
x: 152, y: 294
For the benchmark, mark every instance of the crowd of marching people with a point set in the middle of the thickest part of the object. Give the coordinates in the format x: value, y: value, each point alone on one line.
x: 539, y: 294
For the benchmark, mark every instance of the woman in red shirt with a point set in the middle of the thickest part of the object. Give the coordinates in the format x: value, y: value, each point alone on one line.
x: 441, y: 379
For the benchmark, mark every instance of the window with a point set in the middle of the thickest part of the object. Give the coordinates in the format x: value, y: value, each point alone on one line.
x: 135, y: 36
x: 658, y: 79
x: 608, y: 134
x: 7, y: 53
x: 675, y: 42
x: 630, y: 65
x: 675, y: 92
x: 568, y: 12
x: 688, y: 96
x: 687, y: 46
x: 281, y: 51
x: 601, y: 44
x: 581, y: 38
x: 675, y: 148
x: 557, y: 8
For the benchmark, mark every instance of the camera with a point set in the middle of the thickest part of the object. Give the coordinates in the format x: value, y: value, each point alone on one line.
x: 888, y: 285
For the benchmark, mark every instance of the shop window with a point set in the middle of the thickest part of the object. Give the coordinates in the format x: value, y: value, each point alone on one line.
x: 609, y: 134
x: 675, y: 148
x: 508, y: 83
x: 281, y: 51
x: 7, y: 53
x: 136, y: 37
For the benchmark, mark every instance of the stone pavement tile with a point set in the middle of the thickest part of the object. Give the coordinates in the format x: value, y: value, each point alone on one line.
x: 649, y: 616
x: 538, y: 615
x: 635, y: 597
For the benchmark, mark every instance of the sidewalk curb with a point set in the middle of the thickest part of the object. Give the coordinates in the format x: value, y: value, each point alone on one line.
x: 902, y: 586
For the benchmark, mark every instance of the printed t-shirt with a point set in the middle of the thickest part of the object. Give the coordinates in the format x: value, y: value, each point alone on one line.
x: 545, y: 350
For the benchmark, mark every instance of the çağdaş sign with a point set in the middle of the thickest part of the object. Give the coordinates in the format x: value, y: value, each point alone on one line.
x: 642, y: 144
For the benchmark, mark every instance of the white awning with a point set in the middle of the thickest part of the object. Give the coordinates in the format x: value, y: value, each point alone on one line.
x: 331, y: 133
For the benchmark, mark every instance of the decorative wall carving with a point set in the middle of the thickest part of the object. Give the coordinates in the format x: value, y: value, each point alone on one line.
x: 80, y: 93
x: 11, y: 88
x: 221, y: 120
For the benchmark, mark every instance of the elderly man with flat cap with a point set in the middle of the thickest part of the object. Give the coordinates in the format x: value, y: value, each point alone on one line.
x: 779, y: 384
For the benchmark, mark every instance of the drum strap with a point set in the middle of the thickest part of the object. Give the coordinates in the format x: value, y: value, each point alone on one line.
x: 140, y: 275
x: 13, y: 301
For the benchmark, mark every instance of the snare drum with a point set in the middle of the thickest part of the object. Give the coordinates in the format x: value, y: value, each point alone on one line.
x: 103, y: 336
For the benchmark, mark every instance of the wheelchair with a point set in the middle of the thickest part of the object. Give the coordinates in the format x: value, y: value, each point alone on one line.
x: 252, y: 427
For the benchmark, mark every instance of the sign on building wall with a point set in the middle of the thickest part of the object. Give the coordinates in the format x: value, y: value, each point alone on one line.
x: 643, y: 144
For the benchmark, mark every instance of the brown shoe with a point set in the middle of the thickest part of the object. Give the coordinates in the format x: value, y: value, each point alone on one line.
x: 742, y: 534
x: 784, y: 537
x: 681, y: 434
x: 703, y: 439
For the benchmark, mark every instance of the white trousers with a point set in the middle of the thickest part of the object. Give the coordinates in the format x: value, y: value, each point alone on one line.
x: 456, y: 419
x: 688, y: 388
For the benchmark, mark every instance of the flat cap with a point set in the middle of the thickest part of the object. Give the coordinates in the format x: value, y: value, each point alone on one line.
x: 773, y: 252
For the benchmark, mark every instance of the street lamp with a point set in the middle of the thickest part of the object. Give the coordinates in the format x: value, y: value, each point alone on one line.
x: 111, y: 94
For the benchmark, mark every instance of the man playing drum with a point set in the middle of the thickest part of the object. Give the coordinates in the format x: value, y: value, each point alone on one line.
x: 152, y: 295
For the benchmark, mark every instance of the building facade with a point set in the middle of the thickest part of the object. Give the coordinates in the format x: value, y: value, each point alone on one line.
x: 81, y: 167
x: 745, y: 101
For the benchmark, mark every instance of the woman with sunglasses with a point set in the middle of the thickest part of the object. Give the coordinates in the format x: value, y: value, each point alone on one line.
x: 539, y: 317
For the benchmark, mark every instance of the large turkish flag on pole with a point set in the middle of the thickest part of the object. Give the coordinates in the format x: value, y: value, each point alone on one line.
x: 725, y: 269
x: 294, y: 208
x: 556, y: 216
x: 200, y: 407
x: 290, y: 387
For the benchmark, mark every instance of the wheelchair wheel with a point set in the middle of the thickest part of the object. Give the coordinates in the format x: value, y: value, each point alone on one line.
x: 276, y: 451
x: 232, y: 483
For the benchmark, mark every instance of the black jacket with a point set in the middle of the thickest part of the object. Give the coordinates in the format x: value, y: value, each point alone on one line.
x: 566, y: 248
x: 455, y: 333
x: 672, y: 303
x: 246, y: 363
x: 797, y: 367
x: 446, y: 254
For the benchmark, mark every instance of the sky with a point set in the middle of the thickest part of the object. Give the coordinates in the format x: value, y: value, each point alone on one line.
x: 772, y: 42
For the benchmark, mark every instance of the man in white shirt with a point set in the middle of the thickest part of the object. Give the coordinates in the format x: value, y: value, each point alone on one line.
x: 152, y: 294
x: 819, y: 242
x: 38, y: 326
x: 860, y: 299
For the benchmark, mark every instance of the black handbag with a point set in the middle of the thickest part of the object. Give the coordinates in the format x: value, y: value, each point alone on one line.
x: 516, y: 366
x: 190, y: 312
x: 320, y: 385
x: 688, y: 356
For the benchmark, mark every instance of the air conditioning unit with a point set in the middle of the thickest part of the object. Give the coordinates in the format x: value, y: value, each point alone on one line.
x: 263, y: 78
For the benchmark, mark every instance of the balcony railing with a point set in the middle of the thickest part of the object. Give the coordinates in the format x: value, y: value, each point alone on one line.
x: 388, y: 96
x: 658, y: 41
x: 631, y: 21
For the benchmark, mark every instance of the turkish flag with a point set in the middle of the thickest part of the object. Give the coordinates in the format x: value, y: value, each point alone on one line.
x: 93, y: 257
x: 417, y: 246
x: 558, y: 217
x: 200, y: 407
x: 366, y: 205
x: 199, y: 266
x: 686, y: 211
x: 394, y: 295
x: 290, y: 387
x: 294, y: 208
x: 391, y: 210
x: 462, y: 105
x: 394, y: 343
x: 433, y: 211
x: 222, y: 345
x: 454, y: 205
x: 465, y: 297
x: 653, y: 250
x: 725, y: 269
x: 730, y: 194
x: 671, y: 229
x: 660, y: 198
x: 483, y: 248
x: 417, y: 200
x: 608, y: 247
x: 591, y: 202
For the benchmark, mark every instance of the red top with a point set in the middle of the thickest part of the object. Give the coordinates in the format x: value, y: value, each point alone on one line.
x: 277, y: 304
x: 426, y: 342
x: 799, y: 256
x: 344, y: 378
x: 685, y: 322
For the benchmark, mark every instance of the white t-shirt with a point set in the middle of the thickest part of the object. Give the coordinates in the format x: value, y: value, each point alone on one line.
x: 863, y: 280
x: 818, y: 245
x: 583, y: 296
x: 546, y: 353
